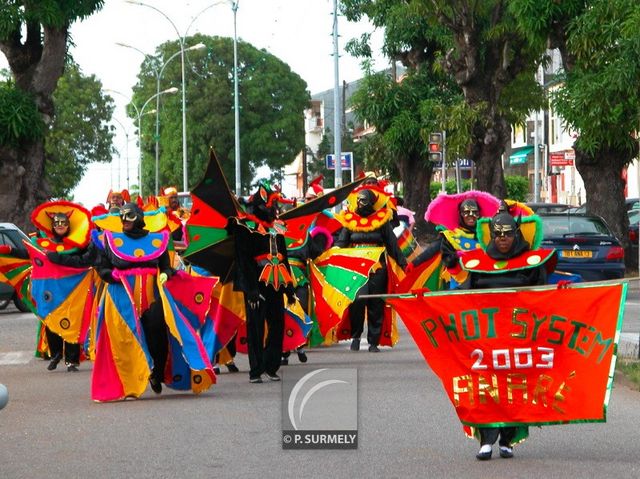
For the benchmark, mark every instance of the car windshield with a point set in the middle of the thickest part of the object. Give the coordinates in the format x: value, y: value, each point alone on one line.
x: 634, y: 216
x: 573, y: 225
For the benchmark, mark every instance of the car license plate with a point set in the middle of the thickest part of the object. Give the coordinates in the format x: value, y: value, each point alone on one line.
x: 576, y: 254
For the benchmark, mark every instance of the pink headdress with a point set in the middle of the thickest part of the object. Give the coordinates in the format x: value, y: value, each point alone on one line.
x: 444, y: 209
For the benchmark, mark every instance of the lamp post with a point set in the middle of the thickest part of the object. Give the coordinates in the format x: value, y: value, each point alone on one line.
x: 158, y: 75
x: 236, y: 101
x: 126, y: 154
x: 139, y: 114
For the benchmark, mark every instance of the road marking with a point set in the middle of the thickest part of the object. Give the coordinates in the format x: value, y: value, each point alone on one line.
x: 15, y: 357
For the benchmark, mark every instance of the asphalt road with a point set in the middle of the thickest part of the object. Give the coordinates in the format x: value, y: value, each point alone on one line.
x: 407, y: 427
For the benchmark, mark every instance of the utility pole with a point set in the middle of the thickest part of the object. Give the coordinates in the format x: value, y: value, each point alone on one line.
x: 337, y: 131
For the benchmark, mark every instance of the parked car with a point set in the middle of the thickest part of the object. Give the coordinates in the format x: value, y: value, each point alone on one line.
x: 11, y: 235
x: 585, y: 246
x: 630, y: 204
x: 634, y: 222
x: 545, y: 208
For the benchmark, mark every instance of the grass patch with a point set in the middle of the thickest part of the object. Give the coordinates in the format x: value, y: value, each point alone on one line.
x: 630, y: 369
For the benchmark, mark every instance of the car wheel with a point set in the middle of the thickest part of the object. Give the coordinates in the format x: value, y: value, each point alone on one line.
x: 4, y: 303
x: 20, y: 305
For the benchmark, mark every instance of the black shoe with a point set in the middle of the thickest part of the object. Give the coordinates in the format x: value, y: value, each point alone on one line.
x: 373, y: 348
x: 257, y: 380
x: 284, y: 362
x: 506, y: 452
x: 54, y: 362
x: 302, y: 356
x: 156, y: 386
x: 355, y: 345
x: 484, y: 456
x: 232, y: 368
x: 273, y: 377
x: 72, y: 368
x: 216, y: 370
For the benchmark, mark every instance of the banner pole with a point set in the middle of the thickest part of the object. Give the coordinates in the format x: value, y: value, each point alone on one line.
x: 453, y: 292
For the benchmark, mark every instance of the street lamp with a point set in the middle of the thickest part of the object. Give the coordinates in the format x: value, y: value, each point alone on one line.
x: 139, y: 114
x: 158, y: 75
x: 126, y: 154
x: 184, y: 99
x: 236, y: 105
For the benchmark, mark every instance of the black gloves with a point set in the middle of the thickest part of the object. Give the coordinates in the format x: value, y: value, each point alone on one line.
x: 253, y: 298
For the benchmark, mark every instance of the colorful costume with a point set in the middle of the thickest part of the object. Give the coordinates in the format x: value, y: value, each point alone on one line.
x: 263, y: 274
x: 62, y: 281
x: 518, y: 262
x: 147, y: 329
x: 455, y: 217
x: 367, y: 226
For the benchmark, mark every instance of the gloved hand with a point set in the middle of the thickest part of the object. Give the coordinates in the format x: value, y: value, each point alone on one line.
x: 291, y: 296
x: 107, y: 276
x: 162, y: 278
x: 5, y: 249
x: 53, y: 256
x: 253, y: 298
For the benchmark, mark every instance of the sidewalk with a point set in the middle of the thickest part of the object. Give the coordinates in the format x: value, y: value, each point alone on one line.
x: 629, y: 345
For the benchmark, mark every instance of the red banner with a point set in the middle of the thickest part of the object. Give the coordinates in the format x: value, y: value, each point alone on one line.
x: 521, y: 357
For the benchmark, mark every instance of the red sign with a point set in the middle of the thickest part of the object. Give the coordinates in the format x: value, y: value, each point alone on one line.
x: 520, y: 357
x: 562, y: 158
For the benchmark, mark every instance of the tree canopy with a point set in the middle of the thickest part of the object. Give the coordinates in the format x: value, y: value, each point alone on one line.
x: 598, y: 91
x: 34, y: 38
x: 271, y: 96
x: 80, y: 132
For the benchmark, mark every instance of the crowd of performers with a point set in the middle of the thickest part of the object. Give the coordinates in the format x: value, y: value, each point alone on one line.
x: 126, y: 285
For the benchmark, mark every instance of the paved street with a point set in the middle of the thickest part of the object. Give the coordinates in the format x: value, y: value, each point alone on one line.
x: 407, y: 427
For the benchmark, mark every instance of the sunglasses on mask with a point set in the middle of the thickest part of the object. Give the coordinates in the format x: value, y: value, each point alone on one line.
x: 60, y: 223
x: 474, y: 213
x: 128, y: 216
x: 510, y: 233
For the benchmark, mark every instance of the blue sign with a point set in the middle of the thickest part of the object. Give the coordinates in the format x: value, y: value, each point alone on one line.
x: 347, y: 161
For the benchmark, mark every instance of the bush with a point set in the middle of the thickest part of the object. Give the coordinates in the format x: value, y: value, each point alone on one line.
x: 517, y: 187
x: 19, y: 117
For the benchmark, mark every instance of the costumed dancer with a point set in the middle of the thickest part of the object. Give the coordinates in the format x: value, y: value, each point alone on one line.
x: 509, y: 258
x: 135, y: 264
x: 63, y: 291
x: 367, y: 223
x: 263, y: 274
x: 115, y: 200
x: 456, y: 217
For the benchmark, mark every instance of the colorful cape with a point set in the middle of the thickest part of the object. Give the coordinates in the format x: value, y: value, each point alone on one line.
x: 336, y: 277
x: 63, y: 296
x: 123, y: 363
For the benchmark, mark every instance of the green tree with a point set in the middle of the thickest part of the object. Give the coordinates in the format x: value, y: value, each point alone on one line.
x: 478, y: 44
x: 272, y: 99
x: 598, y: 96
x: 34, y: 38
x: 80, y: 133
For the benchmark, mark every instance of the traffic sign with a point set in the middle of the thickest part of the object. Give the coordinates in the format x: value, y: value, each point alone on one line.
x: 346, y: 163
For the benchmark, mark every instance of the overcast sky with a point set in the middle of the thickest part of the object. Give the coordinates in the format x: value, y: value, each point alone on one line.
x: 299, y: 32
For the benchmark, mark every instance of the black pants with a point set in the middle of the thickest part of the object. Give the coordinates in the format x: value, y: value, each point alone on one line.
x: 156, y: 336
x: 489, y: 435
x: 377, y: 284
x: 58, y: 347
x: 264, y: 354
